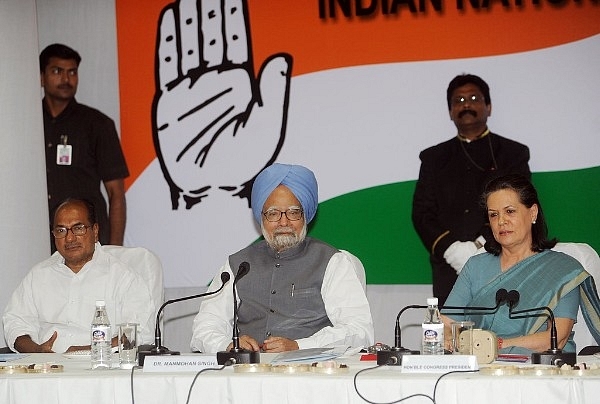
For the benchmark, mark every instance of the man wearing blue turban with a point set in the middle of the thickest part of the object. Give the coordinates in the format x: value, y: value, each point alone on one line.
x: 298, y: 179
x: 300, y: 292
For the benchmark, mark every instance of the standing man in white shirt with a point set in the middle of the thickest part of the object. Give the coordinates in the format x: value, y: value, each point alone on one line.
x: 300, y: 292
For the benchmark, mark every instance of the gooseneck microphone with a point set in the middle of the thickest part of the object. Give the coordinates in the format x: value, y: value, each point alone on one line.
x: 237, y: 354
x: 552, y: 356
x: 242, y: 271
x: 394, y: 355
x: 157, y: 349
x: 501, y: 298
x: 512, y: 299
x: 398, y: 331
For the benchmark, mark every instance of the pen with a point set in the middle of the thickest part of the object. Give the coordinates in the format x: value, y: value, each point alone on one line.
x: 292, y: 291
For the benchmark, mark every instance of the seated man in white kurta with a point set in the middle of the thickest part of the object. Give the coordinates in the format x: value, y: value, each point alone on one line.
x: 52, y: 309
x: 300, y: 292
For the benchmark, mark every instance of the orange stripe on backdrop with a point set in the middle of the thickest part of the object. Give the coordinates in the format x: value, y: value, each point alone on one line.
x: 136, y: 36
x: 316, y: 44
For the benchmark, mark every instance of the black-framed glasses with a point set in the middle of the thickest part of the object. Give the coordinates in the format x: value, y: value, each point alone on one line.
x: 77, y: 230
x: 274, y: 215
x: 461, y: 100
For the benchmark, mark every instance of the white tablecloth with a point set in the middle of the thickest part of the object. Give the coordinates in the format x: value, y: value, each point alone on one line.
x: 80, y: 385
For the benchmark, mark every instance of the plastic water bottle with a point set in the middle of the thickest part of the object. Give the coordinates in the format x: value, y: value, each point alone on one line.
x: 101, y: 337
x: 433, y: 329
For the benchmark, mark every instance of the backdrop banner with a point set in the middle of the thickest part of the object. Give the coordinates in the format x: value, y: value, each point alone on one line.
x: 213, y: 91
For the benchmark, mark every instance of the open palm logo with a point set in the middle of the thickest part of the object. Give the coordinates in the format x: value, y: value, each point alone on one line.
x: 209, y: 108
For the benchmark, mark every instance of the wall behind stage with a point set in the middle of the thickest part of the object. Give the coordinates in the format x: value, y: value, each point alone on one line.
x: 366, y: 94
x: 24, y: 235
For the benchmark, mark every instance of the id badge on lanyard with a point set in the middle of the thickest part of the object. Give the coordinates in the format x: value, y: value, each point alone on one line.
x: 64, y: 152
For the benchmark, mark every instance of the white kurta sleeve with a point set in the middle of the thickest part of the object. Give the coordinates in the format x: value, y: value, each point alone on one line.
x: 346, y: 305
x: 136, y: 306
x: 20, y: 315
x: 213, y: 325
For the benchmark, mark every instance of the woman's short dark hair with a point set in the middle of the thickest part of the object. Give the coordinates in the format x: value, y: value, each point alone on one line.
x: 527, y: 196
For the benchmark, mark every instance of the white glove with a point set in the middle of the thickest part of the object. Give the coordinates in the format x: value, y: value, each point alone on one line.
x: 458, y: 253
x: 479, y: 243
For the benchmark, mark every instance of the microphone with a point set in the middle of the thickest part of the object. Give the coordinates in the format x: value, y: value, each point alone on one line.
x: 243, y: 269
x: 394, y: 355
x: 157, y: 349
x: 512, y: 299
x: 554, y: 355
x: 237, y: 354
x: 501, y: 298
x: 397, y: 330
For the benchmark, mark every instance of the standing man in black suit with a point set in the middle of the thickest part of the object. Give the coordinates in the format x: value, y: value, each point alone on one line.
x: 447, y: 213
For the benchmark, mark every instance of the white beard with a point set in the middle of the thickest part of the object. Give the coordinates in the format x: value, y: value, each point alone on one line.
x: 284, y: 237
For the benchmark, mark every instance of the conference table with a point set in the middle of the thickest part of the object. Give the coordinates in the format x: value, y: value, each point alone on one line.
x: 75, y: 383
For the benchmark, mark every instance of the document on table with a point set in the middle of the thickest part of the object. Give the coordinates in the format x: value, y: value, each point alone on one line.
x: 310, y: 355
x: 11, y: 357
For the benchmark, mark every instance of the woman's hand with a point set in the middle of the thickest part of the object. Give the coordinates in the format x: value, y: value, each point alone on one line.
x: 540, y: 341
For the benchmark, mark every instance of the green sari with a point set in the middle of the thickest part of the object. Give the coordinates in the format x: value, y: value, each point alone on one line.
x: 541, y: 280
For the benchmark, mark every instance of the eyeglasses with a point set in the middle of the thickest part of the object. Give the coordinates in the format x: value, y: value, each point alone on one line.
x: 461, y: 100
x: 274, y: 215
x: 77, y: 230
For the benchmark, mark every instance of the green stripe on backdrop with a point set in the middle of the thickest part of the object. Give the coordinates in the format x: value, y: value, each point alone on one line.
x: 375, y: 224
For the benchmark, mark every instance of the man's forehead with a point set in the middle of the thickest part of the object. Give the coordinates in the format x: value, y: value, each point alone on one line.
x: 59, y: 62
x: 281, y: 195
x: 71, y: 212
x: 468, y: 88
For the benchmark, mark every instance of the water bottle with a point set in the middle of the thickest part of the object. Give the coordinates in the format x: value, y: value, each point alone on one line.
x: 433, y: 329
x: 101, y: 337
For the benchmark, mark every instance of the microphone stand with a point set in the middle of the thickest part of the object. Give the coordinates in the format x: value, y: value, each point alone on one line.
x: 501, y: 298
x: 554, y: 355
x: 393, y: 356
x: 236, y: 354
x: 157, y: 349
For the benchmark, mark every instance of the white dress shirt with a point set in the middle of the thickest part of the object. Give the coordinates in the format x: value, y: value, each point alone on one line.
x: 52, y: 297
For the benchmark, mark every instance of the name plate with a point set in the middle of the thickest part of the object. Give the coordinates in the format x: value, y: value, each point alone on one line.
x: 438, y: 363
x: 180, y: 363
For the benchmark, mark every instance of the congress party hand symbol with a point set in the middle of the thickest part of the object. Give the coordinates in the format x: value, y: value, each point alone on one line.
x: 215, y: 124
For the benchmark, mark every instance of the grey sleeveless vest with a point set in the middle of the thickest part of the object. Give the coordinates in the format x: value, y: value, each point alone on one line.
x: 281, y: 295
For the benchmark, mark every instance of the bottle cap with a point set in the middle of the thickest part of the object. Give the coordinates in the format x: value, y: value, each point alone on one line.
x: 432, y: 301
x: 100, y: 303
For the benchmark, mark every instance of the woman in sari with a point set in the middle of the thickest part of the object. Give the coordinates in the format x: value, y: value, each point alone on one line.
x: 519, y: 258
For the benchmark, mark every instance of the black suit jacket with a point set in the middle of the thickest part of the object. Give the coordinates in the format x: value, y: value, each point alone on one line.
x: 447, y: 204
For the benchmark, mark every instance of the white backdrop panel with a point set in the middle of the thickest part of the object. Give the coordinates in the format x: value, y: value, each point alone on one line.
x: 24, y: 236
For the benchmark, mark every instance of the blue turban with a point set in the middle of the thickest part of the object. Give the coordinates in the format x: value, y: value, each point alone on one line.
x: 300, y: 180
